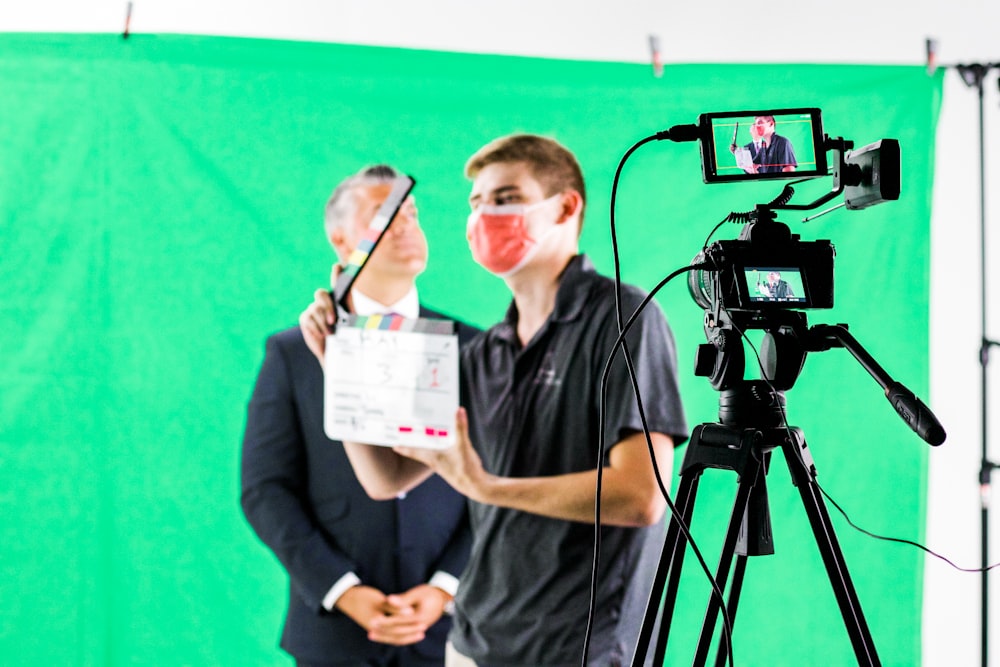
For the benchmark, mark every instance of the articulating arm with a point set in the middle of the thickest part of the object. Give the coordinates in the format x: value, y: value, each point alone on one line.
x: 913, y: 411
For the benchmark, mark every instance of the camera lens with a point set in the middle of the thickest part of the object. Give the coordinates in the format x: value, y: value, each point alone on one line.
x: 700, y: 283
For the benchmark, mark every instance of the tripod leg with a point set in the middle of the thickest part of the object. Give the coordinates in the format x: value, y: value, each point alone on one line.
x: 711, y: 446
x: 748, y: 479
x: 803, y: 471
x: 668, y: 570
x: 734, y: 600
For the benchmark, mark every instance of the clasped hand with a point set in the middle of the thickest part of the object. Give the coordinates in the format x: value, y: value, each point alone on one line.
x: 398, y: 619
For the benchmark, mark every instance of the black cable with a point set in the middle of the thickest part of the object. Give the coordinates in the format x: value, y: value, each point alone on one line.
x: 850, y: 522
x: 666, y: 495
x: 901, y: 540
x: 621, y: 342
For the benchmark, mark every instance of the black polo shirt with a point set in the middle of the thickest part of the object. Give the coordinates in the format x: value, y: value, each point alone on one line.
x: 535, y: 411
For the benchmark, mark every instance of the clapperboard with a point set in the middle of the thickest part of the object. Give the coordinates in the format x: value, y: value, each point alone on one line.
x: 389, y: 380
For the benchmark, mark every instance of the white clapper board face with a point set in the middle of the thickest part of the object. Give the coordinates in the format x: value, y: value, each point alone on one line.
x: 391, y: 380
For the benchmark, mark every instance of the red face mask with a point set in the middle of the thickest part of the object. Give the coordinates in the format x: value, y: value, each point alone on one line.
x: 499, y: 238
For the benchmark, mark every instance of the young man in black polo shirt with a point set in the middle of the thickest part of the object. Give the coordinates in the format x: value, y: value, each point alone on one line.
x: 528, y: 442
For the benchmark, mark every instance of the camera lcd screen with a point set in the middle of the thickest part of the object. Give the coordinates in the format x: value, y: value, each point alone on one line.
x: 781, y: 285
x: 762, y: 144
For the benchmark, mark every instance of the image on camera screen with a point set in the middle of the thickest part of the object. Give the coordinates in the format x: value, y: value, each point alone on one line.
x: 775, y: 284
x: 749, y: 145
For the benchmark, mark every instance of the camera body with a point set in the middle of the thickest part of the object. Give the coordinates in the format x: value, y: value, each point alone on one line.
x: 767, y: 269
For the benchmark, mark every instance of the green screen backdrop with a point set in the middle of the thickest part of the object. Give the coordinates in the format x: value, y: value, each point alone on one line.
x: 161, y: 202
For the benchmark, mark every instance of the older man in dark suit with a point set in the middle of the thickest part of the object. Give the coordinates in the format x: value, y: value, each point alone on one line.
x: 369, y: 580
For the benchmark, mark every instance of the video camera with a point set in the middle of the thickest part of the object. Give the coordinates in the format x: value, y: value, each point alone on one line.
x: 768, y: 268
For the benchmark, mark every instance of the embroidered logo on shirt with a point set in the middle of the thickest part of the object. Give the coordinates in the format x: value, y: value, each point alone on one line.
x: 546, y: 374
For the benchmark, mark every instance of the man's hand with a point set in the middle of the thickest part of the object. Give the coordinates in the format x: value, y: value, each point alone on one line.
x: 425, y: 600
x: 460, y: 465
x: 408, y: 615
x: 316, y: 323
x: 398, y: 620
x: 363, y: 605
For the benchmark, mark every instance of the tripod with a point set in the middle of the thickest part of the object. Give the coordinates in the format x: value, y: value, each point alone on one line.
x: 752, y: 425
x: 745, y: 448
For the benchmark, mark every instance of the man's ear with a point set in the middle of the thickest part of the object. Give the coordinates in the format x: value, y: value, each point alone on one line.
x: 338, y: 239
x: 572, y: 204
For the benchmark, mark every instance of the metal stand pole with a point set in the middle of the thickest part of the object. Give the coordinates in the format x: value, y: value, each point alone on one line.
x: 974, y: 75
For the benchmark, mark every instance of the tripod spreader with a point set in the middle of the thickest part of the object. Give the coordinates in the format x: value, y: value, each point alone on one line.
x: 746, y: 450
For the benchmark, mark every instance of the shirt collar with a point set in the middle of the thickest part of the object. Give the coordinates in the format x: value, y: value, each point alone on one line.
x: 570, y: 301
x: 408, y: 306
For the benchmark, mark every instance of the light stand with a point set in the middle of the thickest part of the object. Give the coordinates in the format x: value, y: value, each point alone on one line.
x: 974, y: 75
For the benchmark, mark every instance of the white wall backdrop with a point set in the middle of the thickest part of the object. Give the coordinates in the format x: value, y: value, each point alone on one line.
x: 851, y: 31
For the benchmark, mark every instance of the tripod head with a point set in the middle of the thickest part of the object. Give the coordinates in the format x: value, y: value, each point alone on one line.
x: 787, y: 340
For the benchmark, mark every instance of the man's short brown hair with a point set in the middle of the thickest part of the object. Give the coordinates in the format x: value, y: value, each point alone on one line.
x: 551, y: 163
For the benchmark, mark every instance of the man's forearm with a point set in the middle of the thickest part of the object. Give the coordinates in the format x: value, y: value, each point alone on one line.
x: 630, y: 495
x: 382, y: 473
x: 571, y: 497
